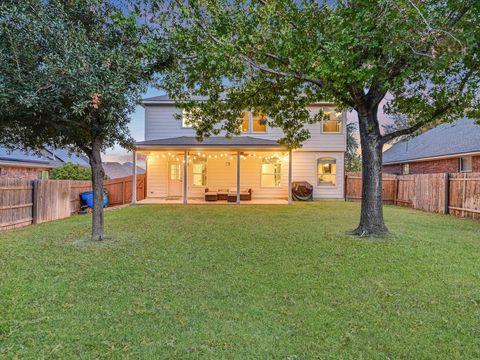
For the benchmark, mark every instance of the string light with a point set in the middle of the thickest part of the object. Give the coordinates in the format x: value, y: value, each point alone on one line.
x: 276, y: 156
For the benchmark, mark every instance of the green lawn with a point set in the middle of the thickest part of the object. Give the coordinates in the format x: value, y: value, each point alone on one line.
x: 242, y: 282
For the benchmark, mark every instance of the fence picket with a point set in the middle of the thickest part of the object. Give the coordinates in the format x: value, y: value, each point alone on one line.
x: 457, y: 194
x: 23, y: 202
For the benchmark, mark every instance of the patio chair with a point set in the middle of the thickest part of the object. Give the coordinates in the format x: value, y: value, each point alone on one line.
x: 246, y: 194
x: 222, y: 194
x: 210, y: 195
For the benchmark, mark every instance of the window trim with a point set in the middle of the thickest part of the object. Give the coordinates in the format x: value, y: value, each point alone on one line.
x: 460, y: 160
x: 261, y: 176
x: 204, y: 176
x: 336, y: 173
x: 342, y: 121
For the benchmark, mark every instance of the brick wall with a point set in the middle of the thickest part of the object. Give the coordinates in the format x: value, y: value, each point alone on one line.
x: 19, y: 173
x: 476, y: 164
x: 451, y: 165
x: 435, y: 166
x: 394, y: 169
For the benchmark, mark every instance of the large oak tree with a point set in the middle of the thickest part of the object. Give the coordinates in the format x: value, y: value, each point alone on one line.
x: 278, y: 56
x: 71, y: 73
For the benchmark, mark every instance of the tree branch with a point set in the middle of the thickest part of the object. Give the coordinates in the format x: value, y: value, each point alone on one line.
x: 254, y: 64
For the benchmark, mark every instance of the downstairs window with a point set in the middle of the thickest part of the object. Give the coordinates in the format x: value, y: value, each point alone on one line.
x: 199, y: 172
x: 271, y: 172
x: 326, y: 172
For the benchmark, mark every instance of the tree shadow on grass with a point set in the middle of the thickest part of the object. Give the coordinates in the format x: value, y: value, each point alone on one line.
x: 87, y: 242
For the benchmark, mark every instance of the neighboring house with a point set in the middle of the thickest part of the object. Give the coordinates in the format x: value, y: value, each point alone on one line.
x: 29, y: 165
x: 448, y: 148
x: 115, y: 170
x: 264, y: 164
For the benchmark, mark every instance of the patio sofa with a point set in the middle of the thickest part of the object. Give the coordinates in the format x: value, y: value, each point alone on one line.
x: 229, y: 195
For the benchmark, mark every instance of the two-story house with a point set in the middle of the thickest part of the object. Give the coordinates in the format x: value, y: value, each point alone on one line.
x: 251, y: 167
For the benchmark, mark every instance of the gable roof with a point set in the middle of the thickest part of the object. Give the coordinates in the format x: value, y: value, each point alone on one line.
x: 115, y: 170
x: 167, y: 100
x: 211, y: 142
x: 47, y: 158
x: 459, y: 137
x: 67, y: 156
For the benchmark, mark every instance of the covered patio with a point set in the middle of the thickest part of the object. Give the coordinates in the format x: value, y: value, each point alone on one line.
x: 240, y: 170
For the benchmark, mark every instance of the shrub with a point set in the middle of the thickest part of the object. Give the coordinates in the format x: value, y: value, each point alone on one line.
x: 71, y: 171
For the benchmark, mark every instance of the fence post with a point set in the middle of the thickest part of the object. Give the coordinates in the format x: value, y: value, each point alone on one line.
x: 34, y: 201
x: 345, y: 187
x: 395, y: 190
x: 447, y: 192
x: 123, y: 191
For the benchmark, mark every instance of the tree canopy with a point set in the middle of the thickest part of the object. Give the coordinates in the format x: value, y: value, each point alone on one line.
x: 279, y: 56
x: 71, y: 73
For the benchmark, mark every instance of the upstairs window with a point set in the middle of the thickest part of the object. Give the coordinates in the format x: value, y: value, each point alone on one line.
x: 326, y: 172
x: 466, y: 164
x: 332, y: 121
x: 271, y: 172
x: 187, y: 119
x: 259, y: 122
x: 254, y: 122
x: 199, y: 172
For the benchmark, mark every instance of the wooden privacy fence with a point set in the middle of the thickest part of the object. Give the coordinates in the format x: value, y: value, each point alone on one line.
x: 456, y: 194
x: 23, y: 202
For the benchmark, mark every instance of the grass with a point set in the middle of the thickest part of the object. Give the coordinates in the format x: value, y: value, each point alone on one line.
x: 247, y: 282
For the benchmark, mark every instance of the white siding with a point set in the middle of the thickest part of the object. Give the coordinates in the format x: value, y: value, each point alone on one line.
x: 221, y: 173
x: 160, y: 123
x: 305, y: 169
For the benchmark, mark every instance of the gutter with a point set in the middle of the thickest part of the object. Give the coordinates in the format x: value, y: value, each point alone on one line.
x: 171, y: 102
x: 25, y: 164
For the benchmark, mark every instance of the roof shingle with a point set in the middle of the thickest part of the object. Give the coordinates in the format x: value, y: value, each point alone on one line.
x: 459, y: 137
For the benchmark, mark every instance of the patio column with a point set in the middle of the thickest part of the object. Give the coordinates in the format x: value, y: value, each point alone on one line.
x: 290, y: 176
x: 185, y: 177
x: 238, y: 177
x: 134, y: 178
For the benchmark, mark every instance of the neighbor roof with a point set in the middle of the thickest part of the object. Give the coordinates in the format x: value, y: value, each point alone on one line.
x: 46, y: 158
x: 19, y: 157
x: 65, y: 156
x: 459, y: 137
x: 115, y: 170
x: 212, y: 142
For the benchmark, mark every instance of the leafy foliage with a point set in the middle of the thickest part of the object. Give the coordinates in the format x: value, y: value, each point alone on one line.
x: 70, y: 171
x: 353, y: 161
x: 71, y: 74
x: 279, y: 56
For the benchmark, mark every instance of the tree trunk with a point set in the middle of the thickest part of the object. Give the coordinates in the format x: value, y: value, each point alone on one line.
x: 371, y: 217
x: 98, y: 175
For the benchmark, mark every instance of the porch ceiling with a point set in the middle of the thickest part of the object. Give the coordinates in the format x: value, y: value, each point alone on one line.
x: 212, y: 143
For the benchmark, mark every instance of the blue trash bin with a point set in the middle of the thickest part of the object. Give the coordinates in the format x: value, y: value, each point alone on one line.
x: 87, y: 199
